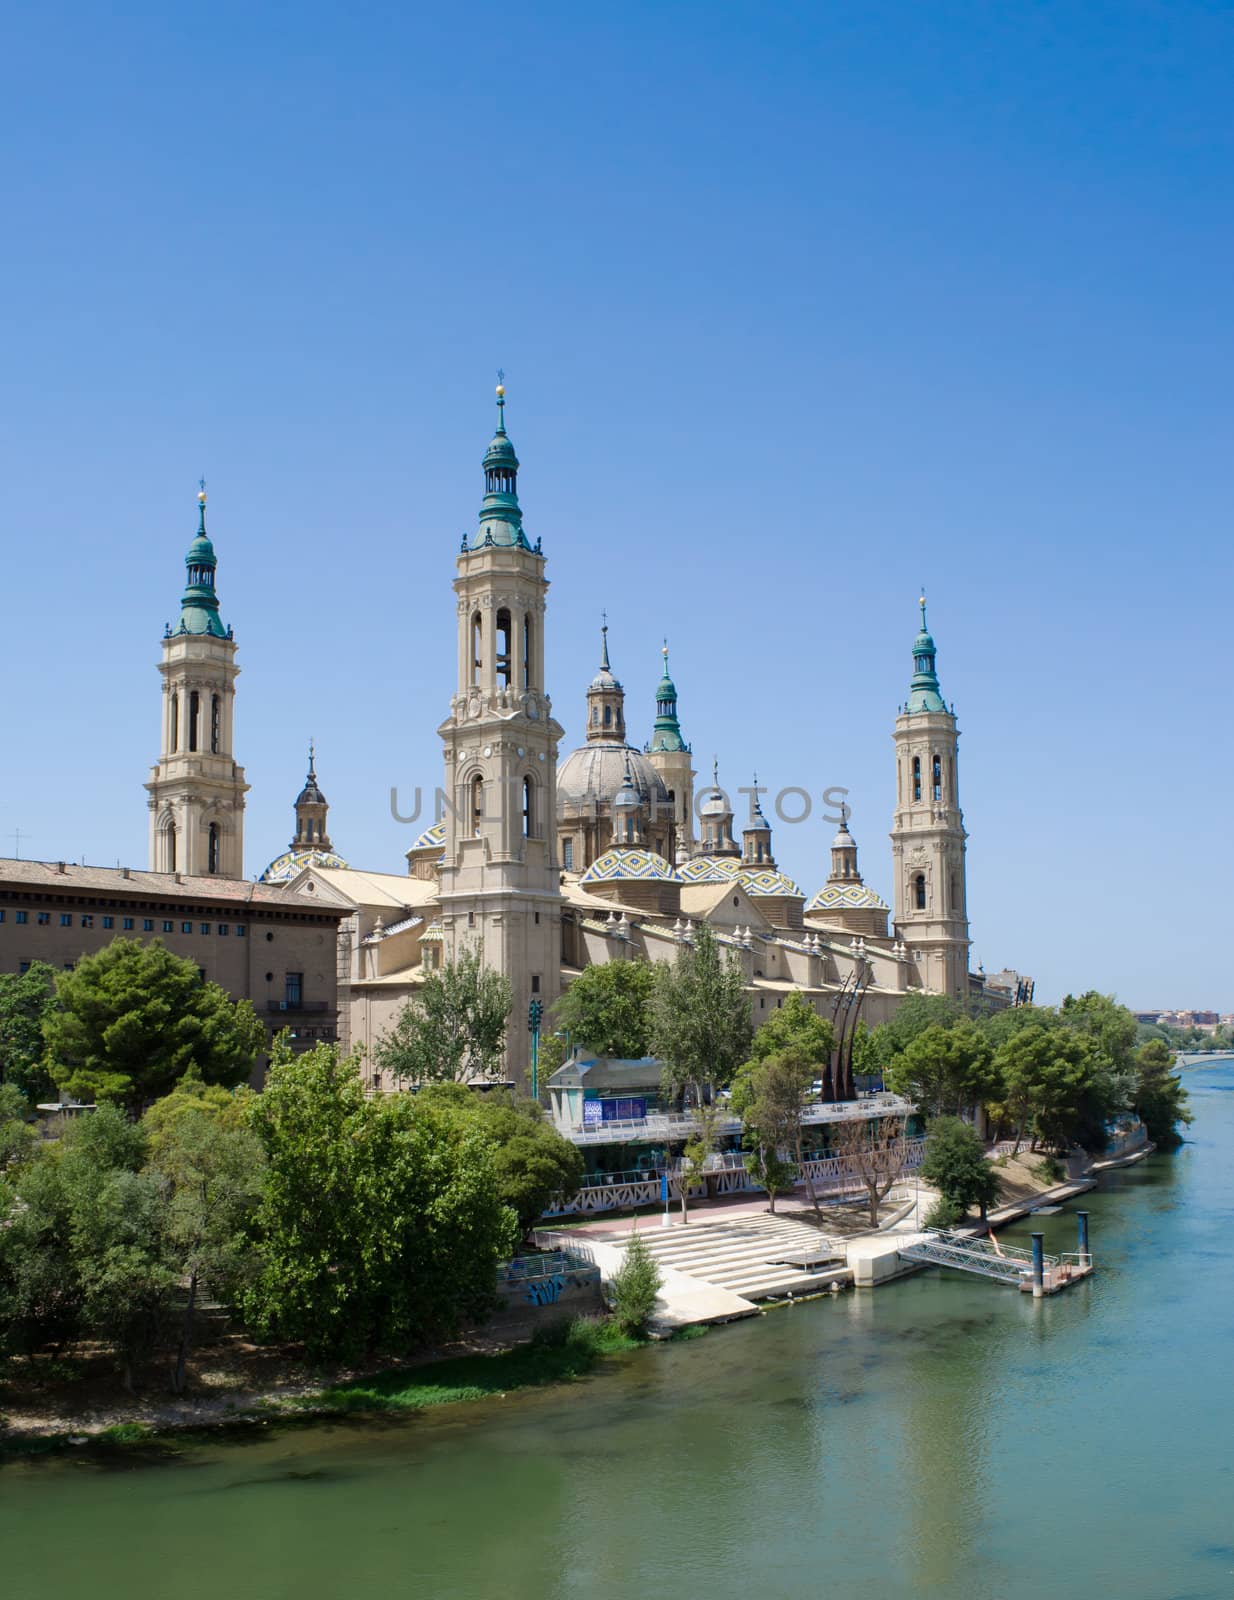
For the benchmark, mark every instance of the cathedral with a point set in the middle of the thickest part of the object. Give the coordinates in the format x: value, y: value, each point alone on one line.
x: 548, y: 863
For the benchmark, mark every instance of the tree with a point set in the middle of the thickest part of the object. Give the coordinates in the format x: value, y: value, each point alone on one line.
x: 607, y: 1009
x: 211, y: 1166
x: 696, y: 1153
x: 956, y: 1165
x: 378, y: 1228
x: 26, y: 999
x: 532, y: 1163
x: 877, y: 1150
x: 916, y: 1013
x: 1057, y: 1082
x: 796, y: 1027
x: 946, y: 1070
x: 16, y: 1135
x: 634, y: 1286
x: 1160, y: 1099
x: 700, y: 1018
x: 769, y: 1096
x: 454, y: 1031
x: 134, y: 1018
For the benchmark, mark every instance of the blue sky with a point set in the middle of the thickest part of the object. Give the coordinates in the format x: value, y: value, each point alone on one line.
x: 800, y: 307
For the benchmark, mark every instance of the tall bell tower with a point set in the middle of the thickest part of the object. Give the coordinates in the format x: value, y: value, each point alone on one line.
x: 196, y: 791
x: 927, y: 838
x: 499, y: 880
x: 669, y: 754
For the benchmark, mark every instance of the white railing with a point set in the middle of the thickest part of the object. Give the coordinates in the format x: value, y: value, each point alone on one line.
x: 673, y: 1125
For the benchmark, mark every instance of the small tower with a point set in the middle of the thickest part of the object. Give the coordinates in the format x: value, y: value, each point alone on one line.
x: 606, y: 701
x: 628, y: 812
x: 311, y: 811
x: 669, y: 754
x: 716, y: 821
x: 499, y: 879
x: 927, y: 837
x: 756, y: 837
x: 844, y: 854
x: 196, y: 791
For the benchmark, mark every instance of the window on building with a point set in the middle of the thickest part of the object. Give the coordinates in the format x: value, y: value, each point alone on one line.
x: 204, y: 927
x: 186, y: 927
x: 535, y: 983
x: 477, y: 643
x: 471, y: 919
x: 87, y: 921
x: 919, y: 891
x: 21, y: 918
x: 147, y: 925
x: 292, y: 986
x: 169, y: 927
x: 3, y: 914
x: 22, y: 968
x: 212, y: 848
x: 567, y: 854
x: 127, y: 924
x: 194, y: 715
x: 174, y: 740
x: 936, y: 779
x: 526, y: 651
x: 608, y: 716
x: 44, y: 918
x: 529, y: 817
x: 109, y: 922
x: 240, y: 930
x: 224, y: 930
x: 66, y: 920
x: 916, y: 777
x: 477, y: 804
x: 503, y: 642
x: 215, y: 723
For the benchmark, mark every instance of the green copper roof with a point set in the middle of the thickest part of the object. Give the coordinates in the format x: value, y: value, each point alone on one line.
x: 923, y: 692
x: 199, y: 607
x: 666, y: 734
x: 501, y: 519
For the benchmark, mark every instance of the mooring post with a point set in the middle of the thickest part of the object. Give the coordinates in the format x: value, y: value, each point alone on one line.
x: 1081, y: 1228
x: 1038, y: 1265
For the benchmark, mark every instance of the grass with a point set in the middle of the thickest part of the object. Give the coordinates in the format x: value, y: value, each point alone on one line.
x: 556, y: 1355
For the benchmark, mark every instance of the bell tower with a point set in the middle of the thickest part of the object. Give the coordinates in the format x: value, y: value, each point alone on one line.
x: 669, y: 754
x: 927, y: 838
x: 500, y: 879
x: 196, y: 791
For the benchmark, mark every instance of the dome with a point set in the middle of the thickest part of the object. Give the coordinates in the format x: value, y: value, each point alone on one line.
x: 715, y: 805
x: 847, y: 897
x: 710, y: 869
x: 765, y: 882
x: 604, y: 679
x: 311, y: 794
x: 292, y: 862
x: 844, y: 839
x: 596, y: 772
x: 500, y: 451
x: 626, y: 798
x: 618, y: 864
x: 200, y: 553
x: 431, y: 838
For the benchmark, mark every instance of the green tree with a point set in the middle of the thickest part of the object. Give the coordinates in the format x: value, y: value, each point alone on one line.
x: 1160, y: 1099
x: 795, y: 1027
x: 134, y: 1018
x: 914, y: 1014
x: 1057, y: 1083
x: 634, y: 1286
x: 946, y: 1070
x: 956, y: 1164
x: 532, y: 1163
x: 191, y: 1097
x: 700, y: 1011
x: 607, y: 1009
x: 211, y: 1166
x: 454, y: 1030
x: 26, y: 999
x: 379, y: 1229
x: 769, y: 1095
x: 16, y: 1135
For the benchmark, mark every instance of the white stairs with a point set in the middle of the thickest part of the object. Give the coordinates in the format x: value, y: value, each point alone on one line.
x: 759, y: 1256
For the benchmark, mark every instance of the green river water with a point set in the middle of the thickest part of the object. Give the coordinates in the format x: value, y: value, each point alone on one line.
x: 942, y: 1436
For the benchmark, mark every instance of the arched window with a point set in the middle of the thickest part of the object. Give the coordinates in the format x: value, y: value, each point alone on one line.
x: 919, y: 891
x: 167, y: 845
x: 174, y: 741
x: 212, y: 848
x: 503, y: 648
x: 916, y: 777
x: 215, y: 723
x: 608, y: 716
x: 477, y: 804
x: 194, y: 714
x: 567, y: 854
x: 529, y: 814
x: 477, y: 642
x: 936, y: 779
x: 527, y: 650
x: 595, y: 714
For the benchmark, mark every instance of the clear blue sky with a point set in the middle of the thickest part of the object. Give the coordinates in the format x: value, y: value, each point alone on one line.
x: 800, y: 306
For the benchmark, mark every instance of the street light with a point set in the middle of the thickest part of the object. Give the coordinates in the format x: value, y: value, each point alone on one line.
x: 534, y: 1012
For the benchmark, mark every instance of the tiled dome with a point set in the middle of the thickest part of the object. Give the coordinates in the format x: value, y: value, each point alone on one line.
x: 615, y: 865
x: 847, y: 897
x: 285, y: 867
x: 765, y: 882
x: 436, y: 835
x: 709, y: 869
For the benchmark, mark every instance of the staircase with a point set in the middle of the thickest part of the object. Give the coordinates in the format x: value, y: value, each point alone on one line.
x: 758, y: 1257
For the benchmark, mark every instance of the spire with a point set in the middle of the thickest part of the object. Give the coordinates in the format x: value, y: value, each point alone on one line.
x: 604, y: 666
x: 606, y: 699
x: 666, y: 734
x: 923, y: 692
x: 501, y: 519
x: 311, y: 809
x: 199, y: 606
x: 756, y: 835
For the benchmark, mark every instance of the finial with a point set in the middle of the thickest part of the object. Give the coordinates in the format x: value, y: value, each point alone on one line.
x: 312, y: 757
x: 604, y: 641
x: 921, y: 603
x: 501, y: 401
x: 715, y: 771
x: 201, y: 506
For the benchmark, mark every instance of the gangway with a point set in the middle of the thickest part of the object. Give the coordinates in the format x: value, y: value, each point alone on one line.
x: 1031, y: 1270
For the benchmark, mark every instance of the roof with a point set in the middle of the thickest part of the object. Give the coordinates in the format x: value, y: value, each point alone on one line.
x: 606, y: 1072
x: 432, y: 838
x: 764, y: 882
x: 293, y: 862
x: 596, y: 771
x: 625, y: 863
x: 847, y: 897
x: 376, y: 888
x: 709, y: 869
x: 68, y: 878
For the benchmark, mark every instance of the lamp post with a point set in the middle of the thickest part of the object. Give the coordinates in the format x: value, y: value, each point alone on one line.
x: 534, y: 1012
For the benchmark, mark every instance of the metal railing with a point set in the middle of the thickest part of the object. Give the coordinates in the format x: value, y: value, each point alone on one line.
x: 673, y: 1125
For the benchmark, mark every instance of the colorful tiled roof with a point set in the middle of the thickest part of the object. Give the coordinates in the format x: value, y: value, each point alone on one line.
x: 625, y: 863
x: 436, y: 835
x: 762, y: 881
x: 292, y: 862
x: 847, y: 897
x: 709, y: 869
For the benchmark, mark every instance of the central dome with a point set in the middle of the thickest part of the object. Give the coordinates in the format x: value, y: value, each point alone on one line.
x: 598, y: 770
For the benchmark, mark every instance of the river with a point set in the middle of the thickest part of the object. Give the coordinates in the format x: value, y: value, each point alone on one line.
x: 942, y: 1436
